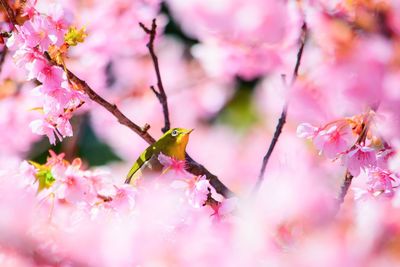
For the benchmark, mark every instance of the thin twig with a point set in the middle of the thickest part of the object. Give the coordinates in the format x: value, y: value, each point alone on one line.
x: 112, y: 108
x: 3, y: 57
x: 300, y: 52
x: 277, y: 133
x: 197, y: 169
x: 10, y: 12
x: 160, y: 94
x: 282, y: 119
x: 348, y: 177
x: 192, y: 166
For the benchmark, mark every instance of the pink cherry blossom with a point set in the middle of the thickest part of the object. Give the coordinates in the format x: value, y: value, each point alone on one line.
x: 28, y: 172
x: 25, y: 57
x: 31, y: 41
x: 29, y: 8
x: 306, y: 130
x: 71, y: 185
x: 55, y: 159
x: 359, y: 158
x: 197, y: 189
x: 59, y: 128
x: 224, y: 209
x: 100, y: 180
x: 170, y: 163
x: 383, y: 157
x: 37, y: 32
x: 124, y: 198
x: 334, y: 140
x: 49, y: 76
x: 198, y: 192
x: 61, y: 19
x: 381, y: 181
x: 230, y: 82
x: 64, y: 127
x: 331, y: 140
x: 43, y: 127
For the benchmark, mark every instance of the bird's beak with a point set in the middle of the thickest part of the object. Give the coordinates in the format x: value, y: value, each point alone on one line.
x: 189, y: 131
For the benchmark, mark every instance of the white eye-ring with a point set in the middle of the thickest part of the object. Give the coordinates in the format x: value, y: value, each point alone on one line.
x: 174, y: 133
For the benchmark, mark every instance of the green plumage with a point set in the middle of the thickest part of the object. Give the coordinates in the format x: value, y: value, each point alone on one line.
x: 143, y: 165
x: 172, y: 143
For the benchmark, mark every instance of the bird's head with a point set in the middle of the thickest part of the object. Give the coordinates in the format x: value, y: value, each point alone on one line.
x: 173, y: 142
x: 179, y: 136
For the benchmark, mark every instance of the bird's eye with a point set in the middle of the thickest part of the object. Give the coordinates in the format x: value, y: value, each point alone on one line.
x: 174, y: 133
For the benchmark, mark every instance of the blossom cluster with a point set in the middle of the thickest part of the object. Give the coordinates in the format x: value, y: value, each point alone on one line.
x: 356, y: 74
x: 38, y: 38
x: 63, y: 215
x: 58, y: 188
x: 344, y: 100
x: 68, y: 183
x: 359, y: 149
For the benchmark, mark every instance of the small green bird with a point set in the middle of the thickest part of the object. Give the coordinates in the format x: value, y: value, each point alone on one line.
x: 172, y: 143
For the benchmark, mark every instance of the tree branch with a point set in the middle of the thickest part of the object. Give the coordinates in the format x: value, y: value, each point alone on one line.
x: 282, y: 119
x: 160, y: 94
x: 197, y: 169
x: 348, y: 177
x: 192, y: 166
x: 10, y: 12
x: 3, y: 57
x: 112, y: 108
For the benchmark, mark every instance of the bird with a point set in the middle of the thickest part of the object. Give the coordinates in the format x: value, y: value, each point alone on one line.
x: 172, y: 143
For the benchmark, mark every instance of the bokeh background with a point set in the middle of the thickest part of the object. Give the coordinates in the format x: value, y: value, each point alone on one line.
x: 222, y: 76
x: 227, y: 68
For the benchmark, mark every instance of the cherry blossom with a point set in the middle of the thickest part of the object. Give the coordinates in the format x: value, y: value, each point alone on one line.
x: 171, y: 163
x: 381, y: 181
x: 123, y: 198
x: 360, y: 158
x: 197, y: 190
x: 306, y: 130
x: 31, y: 40
x: 333, y: 140
x: 29, y: 8
x: 44, y: 127
x: 229, y: 69
x: 70, y: 184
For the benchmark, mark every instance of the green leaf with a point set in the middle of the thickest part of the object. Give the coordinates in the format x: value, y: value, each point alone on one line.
x: 43, y: 176
x: 75, y: 36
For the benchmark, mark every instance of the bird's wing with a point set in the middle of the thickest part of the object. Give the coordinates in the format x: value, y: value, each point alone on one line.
x: 143, y: 158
